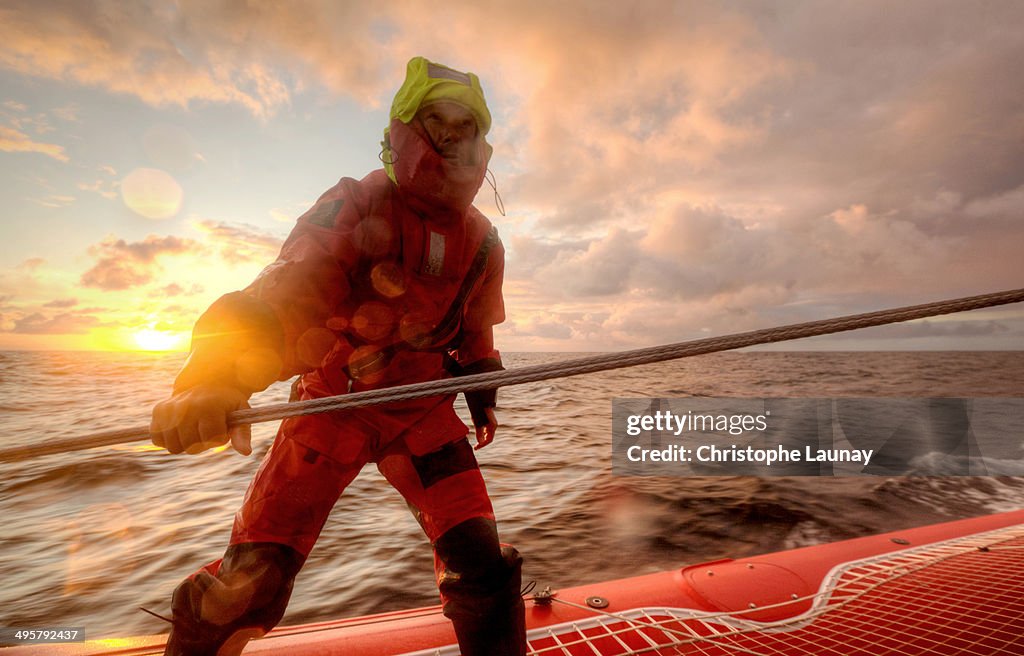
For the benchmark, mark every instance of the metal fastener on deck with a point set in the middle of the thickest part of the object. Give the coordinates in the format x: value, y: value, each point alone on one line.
x: 543, y: 598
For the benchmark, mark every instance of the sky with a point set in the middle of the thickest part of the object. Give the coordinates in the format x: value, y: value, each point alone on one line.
x: 669, y: 170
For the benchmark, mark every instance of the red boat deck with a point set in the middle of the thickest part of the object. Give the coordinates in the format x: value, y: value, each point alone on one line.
x: 962, y: 596
x: 954, y: 588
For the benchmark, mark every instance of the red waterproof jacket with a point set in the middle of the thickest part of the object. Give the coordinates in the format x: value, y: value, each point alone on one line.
x: 368, y: 291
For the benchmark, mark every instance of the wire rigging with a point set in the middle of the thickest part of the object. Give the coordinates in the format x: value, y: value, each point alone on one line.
x: 536, y: 373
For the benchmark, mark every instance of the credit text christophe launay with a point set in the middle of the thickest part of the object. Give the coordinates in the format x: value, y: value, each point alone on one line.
x: 664, y: 421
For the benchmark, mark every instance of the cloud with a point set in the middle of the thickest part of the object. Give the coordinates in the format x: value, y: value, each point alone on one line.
x: 729, y: 105
x: 61, y: 303
x: 240, y: 243
x: 13, y: 141
x: 676, y: 168
x: 174, y: 289
x: 252, y: 55
x: 640, y: 101
x: 936, y: 328
x: 122, y: 265
x: 699, y: 271
x: 552, y: 326
x: 104, y: 188
x: 105, y: 185
x: 825, y: 179
x: 54, y: 200
x: 699, y: 252
x: 602, y: 269
x: 67, y: 113
x: 65, y: 323
x: 913, y: 101
x: 1006, y: 205
x: 31, y: 263
x: 18, y: 116
x: 881, y: 172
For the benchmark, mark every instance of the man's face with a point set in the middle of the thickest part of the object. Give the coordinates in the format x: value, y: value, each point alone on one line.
x: 452, y: 130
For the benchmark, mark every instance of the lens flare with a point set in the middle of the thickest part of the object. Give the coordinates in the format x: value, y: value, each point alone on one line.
x: 151, y: 193
x: 99, y: 538
x: 171, y: 148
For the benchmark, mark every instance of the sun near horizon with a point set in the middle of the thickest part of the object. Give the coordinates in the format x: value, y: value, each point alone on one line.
x: 143, y: 339
x: 151, y: 339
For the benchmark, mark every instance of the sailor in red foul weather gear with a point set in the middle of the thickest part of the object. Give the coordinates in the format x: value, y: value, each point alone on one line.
x: 392, y: 279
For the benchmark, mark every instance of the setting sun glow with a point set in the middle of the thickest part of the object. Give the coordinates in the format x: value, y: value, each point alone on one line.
x: 150, y: 339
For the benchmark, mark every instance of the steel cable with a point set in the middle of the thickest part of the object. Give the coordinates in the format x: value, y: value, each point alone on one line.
x: 536, y: 373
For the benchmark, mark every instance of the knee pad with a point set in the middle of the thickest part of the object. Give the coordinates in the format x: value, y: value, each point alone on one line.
x: 241, y: 596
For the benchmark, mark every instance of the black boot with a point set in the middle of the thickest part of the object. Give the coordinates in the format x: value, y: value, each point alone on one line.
x: 208, y: 621
x: 480, y: 585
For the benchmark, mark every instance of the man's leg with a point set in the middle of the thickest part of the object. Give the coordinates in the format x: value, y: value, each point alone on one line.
x: 221, y: 607
x: 226, y: 603
x: 480, y: 582
x: 479, y: 579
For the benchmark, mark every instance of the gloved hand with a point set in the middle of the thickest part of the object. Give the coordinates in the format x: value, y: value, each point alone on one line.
x: 485, y: 431
x: 195, y: 419
x: 481, y: 403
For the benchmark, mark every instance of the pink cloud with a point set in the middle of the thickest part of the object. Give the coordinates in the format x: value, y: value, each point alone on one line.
x: 32, y: 263
x: 122, y: 265
x: 61, y: 303
x: 192, y: 51
x: 174, y: 289
x: 65, y: 323
x: 12, y: 141
x: 239, y: 243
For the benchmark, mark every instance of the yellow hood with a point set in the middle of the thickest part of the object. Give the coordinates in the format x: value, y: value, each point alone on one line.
x: 427, y: 82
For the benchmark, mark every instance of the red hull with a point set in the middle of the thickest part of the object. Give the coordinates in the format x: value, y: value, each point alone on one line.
x: 954, y: 588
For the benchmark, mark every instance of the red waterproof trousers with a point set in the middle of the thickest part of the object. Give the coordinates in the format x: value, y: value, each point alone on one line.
x: 220, y: 607
x: 296, y: 487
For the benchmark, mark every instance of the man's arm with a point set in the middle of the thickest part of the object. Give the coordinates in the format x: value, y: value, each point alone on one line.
x: 270, y: 331
x: 236, y: 351
x: 476, y: 353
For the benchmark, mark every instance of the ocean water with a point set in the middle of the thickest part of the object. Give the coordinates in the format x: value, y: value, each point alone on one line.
x: 89, y: 537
